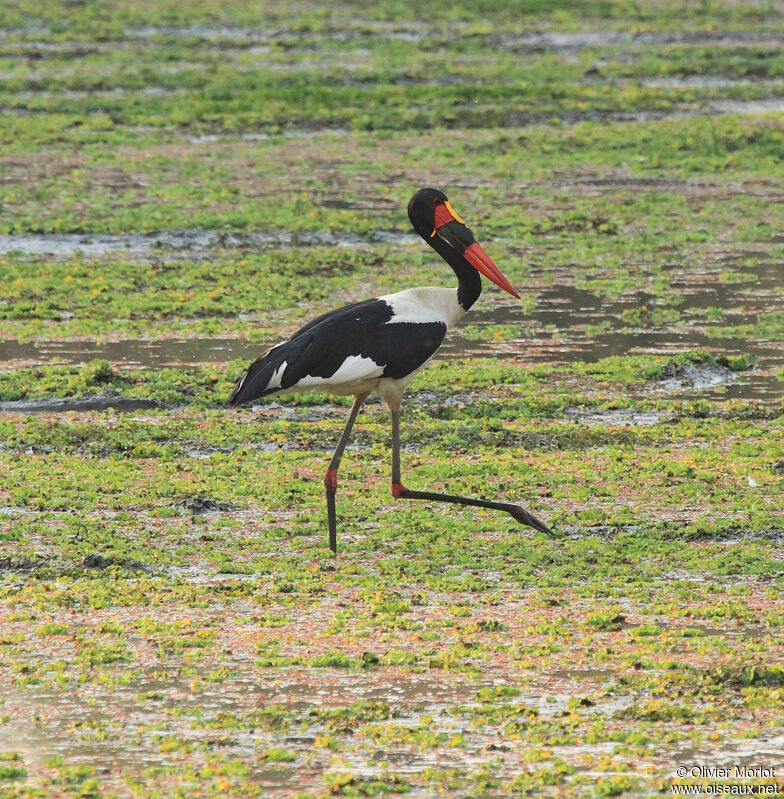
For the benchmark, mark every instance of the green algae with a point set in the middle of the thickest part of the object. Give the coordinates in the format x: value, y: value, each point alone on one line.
x: 166, y: 590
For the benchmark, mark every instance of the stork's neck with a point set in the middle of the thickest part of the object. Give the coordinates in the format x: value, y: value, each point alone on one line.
x: 469, y: 285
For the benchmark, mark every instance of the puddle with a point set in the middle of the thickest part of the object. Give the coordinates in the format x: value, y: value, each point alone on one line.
x: 713, y: 82
x: 293, y: 133
x: 551, y: 41
x: 238, y: 35
x: 185, y: 241
x: 600, y: 530
x: 695, y: 376
x: 620, y: 417
x: 20, y: 565
x: 700, y: 630
x: 570, y: 323
x: 82, y: 94
x: 196, y: 575
x: 727, y: 538
x: 769, y: 105
x: 227, y: 32
x: 132, y: 352
x: 121, y: 731
x: 567, y: 40
x: 697, y: 82
x: 735, y: 536
x: 27, y: 30
x: 751, y: 753
x: 307, y: 687
x: 683, y: 110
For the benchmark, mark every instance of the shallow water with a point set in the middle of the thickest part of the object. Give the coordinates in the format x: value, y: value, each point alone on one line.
x: 245, y: 35
x: 120, y: 729
x: 554, y: 41
x: 286, y: 133
x: 700, y: 82
x: 620, y: 417
x: 132, y: 352
x: 566, y: 324
x: 196, y: 242
x: 47, y: 722
x: 768, y: 105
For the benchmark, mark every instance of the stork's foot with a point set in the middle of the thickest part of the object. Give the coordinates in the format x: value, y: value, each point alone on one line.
x: 520, y: 514
x: 517, y: 512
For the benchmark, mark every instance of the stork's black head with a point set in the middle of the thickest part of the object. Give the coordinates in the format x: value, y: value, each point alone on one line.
x: 437, y: 223
x: 422, y: 210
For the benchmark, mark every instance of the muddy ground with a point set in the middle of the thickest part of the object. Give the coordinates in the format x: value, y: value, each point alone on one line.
x: 182, y: 185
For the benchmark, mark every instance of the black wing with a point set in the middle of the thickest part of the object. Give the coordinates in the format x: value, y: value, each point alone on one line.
x: 319, y: 349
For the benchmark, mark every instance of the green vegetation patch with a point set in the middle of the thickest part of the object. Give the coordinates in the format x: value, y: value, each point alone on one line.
x: 200, y: 178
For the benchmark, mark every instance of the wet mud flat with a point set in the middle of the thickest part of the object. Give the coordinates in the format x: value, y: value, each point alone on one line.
x: 99, y: 402
x: 185, y: 715
x: 565, y: 323
x: 171, y: 619
x: 41, y: 79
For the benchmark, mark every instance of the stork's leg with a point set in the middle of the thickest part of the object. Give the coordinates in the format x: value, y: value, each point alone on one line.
x: 331, y: 477
x: 399, y: 491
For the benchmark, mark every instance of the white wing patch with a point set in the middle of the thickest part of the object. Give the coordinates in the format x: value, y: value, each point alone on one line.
x: 277, y: 376
x: 354, y: 368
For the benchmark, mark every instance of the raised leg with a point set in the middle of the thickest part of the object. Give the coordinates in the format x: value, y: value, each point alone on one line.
x: 399, y: 491
x: 331, y: 477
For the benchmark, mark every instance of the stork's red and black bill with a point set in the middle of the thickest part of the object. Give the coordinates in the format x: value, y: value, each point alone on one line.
x: 450, y: 227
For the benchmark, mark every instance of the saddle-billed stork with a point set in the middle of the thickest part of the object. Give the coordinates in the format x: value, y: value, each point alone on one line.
x: 381, y: 344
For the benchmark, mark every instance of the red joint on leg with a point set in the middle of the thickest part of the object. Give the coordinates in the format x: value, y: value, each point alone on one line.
x: 331, y: 480
x: 398, y: 489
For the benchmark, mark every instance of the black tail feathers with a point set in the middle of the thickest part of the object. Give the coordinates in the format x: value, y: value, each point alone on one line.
x: 255, y: 382
x: 272, y: 372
